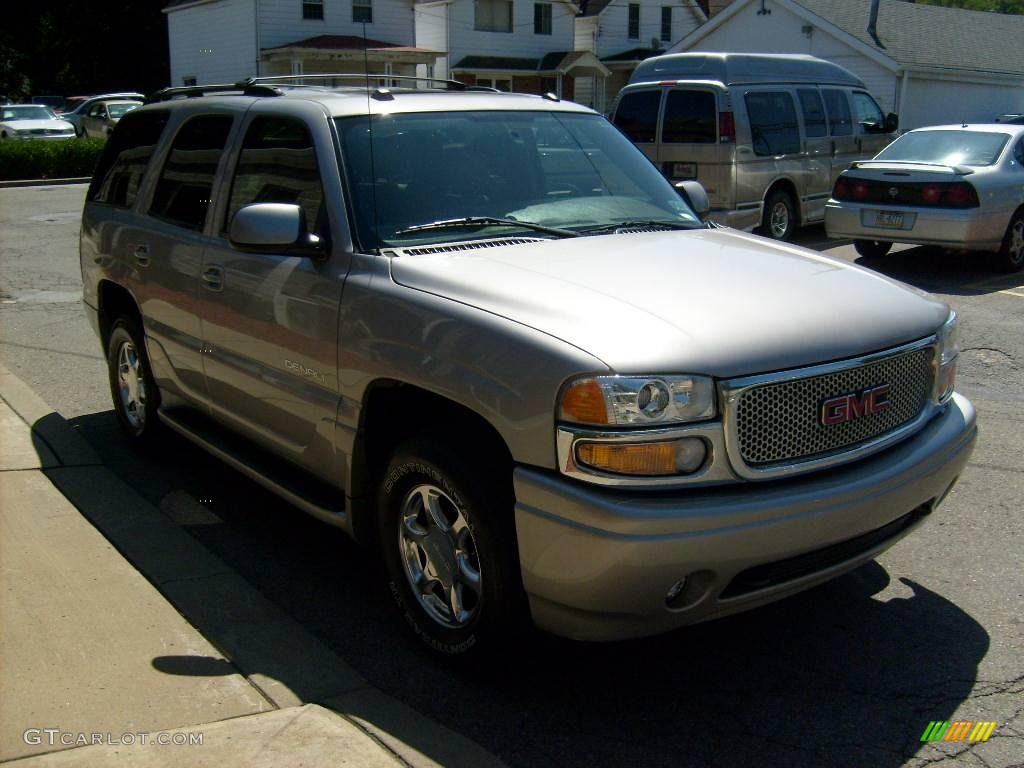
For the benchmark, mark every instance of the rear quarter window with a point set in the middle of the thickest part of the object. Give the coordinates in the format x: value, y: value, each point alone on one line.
x: 637, y: 115
x: 124, y: 159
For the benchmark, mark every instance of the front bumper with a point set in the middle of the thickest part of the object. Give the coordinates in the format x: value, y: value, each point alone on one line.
x: 598, y: 564
x: 968, y: 229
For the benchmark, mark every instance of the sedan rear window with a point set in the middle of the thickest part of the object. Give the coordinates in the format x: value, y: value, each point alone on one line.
x: 946, y: 147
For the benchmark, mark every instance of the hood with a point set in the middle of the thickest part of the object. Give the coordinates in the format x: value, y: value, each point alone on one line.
x: 713, y: 302
x: 33, y: 125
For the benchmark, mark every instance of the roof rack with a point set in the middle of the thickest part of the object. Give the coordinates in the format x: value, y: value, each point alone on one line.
x: 286, y: 80
x: 195, y: 91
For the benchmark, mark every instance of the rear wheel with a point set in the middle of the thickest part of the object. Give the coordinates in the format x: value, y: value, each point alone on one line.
x: 446, y: 534
x: 871, y: 248
x: 132, y: 388
x: 1011, y: 255
x: 779, y: 219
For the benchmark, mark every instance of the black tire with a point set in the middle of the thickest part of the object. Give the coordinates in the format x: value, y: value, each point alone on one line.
x: 871, y: 249
x: 1011, y: 255
x: 477, y: 505
x: 779, y: 218
x: 136, y: 399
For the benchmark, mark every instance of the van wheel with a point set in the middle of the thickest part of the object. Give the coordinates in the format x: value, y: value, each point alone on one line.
x: 871, y: 249
x: 1011, y: 255
x: 132, y: 388
x: 447, y: 539
x: 779, y: 220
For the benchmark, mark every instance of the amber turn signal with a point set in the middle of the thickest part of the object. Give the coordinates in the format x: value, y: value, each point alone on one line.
x: 584, y: 402
x: 670, y: 457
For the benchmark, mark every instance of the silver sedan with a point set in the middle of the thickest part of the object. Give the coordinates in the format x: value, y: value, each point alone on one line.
x: 954, y: 186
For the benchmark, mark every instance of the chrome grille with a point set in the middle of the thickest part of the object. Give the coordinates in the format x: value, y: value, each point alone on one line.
x: 780, y: 422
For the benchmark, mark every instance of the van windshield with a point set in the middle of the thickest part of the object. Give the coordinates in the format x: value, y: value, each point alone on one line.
x: 417, y: 178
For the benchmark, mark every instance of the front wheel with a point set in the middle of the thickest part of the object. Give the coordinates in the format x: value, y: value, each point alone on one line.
x: 448, y: 542
x: 132, y: 388
x: 871, y: 248
x: 1011, y: 255
x: 779, y: 219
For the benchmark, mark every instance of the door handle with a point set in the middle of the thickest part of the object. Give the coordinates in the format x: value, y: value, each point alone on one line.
x: 141, y: 253
x: 213, y: 277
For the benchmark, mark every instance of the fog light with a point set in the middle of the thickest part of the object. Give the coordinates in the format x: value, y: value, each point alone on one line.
x: 668, y: 457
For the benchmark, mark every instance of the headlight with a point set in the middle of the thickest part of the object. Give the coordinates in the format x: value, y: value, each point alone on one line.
x: 948, y: 353
x: 637, y: 400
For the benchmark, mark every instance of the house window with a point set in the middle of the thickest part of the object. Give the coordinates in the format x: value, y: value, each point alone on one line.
x: 634, y: 21
x: 362, y: 11
x: 312, y: 9
x: 542, y: 18
x: 493, y: 15
x: 296, y: 67
x: 666, y: 23
x: 500, y: 83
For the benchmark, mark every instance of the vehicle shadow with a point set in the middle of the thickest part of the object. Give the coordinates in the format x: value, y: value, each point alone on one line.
x: 838, y: 676
x: 941, y: 271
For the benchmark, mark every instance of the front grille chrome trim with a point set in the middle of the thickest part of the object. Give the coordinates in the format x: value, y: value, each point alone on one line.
x: 732, y: 390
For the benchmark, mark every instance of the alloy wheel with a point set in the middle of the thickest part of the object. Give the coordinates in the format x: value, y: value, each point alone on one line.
x: 131, y: 385
x: 439, y: 556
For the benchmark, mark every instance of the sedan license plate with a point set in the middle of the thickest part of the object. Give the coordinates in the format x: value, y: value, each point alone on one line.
x: 885, y: 219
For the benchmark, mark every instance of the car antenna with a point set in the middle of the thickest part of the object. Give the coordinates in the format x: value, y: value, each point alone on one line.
x: 369, y: 129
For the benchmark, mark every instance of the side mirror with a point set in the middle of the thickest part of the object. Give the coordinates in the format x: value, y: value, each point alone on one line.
x: 695, y: 195
x: 268, y: 225
x: 892, y: 122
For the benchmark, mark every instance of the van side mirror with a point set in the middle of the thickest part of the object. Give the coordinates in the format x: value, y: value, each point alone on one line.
x: 695, y: 195
x: 892, y: 122
x: 272, y: 226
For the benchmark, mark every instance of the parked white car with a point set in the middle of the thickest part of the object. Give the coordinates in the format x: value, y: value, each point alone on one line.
x: 32, y: 121
x: 954, y: 186
x: 102, y: 116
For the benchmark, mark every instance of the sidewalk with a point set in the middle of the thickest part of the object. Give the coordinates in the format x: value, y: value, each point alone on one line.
x: 96, y: 650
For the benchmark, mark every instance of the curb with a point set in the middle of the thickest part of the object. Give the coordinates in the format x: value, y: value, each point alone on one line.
x: 43, y: 182
x: 290, y: 666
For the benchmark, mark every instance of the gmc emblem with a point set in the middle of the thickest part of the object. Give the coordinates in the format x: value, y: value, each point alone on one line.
x: 843, y: 408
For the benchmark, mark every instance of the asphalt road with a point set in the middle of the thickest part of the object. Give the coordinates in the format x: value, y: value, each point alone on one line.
x: 848, y: 674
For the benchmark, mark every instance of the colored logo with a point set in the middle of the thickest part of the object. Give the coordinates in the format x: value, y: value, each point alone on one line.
x: 838, y: 410
x: 958, y: 730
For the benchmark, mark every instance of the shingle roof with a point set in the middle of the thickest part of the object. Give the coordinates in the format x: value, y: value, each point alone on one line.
x: 633, y: 54
x: 497, y: 62
x: 932, y: 36
x: 342, y: 43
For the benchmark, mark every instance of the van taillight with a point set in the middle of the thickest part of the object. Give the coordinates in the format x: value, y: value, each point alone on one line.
x: 726, y: 128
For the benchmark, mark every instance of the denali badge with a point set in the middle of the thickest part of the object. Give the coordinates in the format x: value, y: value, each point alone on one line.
x: 843, y: 408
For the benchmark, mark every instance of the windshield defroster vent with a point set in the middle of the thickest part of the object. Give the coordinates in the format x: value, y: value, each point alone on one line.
x: 470, y: 246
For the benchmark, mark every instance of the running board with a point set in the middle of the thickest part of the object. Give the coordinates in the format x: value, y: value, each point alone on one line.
x: 276, y: 475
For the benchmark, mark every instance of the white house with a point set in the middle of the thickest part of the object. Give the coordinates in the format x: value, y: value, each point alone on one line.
x: 512, y: 45
x: 928, y: 64
x: 217, y: 41
x: 622, y: 33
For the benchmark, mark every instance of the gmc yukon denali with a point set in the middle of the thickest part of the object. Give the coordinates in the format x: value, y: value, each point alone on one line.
x: 481, y: 333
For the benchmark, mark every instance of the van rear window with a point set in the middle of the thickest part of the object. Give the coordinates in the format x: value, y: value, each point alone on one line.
x: 637, y: 115
x: 690, y: 118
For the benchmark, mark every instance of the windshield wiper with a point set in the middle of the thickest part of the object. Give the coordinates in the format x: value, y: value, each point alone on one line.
x: 486, y: 221
x: 639, y: 223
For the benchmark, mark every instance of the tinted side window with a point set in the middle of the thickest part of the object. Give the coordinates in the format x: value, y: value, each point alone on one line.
x: 277, y: 164
x: 183, y: 191
x: 1018, y: 152
x: 637, y: 115
x: 119, y: 171
x: 868, y: 112
x: 838, y: 107
x: 773, y: 125
x: 690, y: 116
x: 814, y: 112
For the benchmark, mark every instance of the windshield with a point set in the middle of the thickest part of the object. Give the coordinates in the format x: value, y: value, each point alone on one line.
x: 27, y: 113
x: 946, y: 147
x: 559, y: 170
x: 119, y: 110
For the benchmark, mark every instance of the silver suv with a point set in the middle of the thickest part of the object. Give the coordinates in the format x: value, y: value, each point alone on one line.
x: 481, y: 332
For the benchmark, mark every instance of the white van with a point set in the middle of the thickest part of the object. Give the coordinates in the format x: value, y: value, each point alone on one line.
x: 765, y: 134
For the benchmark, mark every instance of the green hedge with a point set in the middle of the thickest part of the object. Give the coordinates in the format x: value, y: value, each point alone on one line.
x: 48, y: 158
